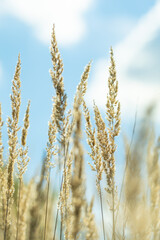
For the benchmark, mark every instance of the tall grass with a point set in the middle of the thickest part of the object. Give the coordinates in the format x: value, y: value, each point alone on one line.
x: 36, y: 211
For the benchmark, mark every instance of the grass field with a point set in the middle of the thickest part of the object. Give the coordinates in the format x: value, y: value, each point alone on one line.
x: 29, y: 211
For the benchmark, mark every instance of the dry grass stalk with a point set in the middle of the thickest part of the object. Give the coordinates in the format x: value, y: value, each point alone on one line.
x: 78, y: 99
x: 91, y: 228
x: 132, y: 191
x: 3, y: 189
x: 64, y: 199
x: 136, y: 207
x: 95, y: 155
x: 51, y: 204
x: 77, y: 178
x: 113, y: 117
x: 102, y: 137
x: 13, y: 140
x: 128, y: 149
x: 81, y: 90
x: 24, y: 210
x: 3, y: 182
x: 68, y: 126
x: 106, y: 137
x: 51, y: 144
x: 37, y: 208
x: 68, y: 212
x: 57, y: 79
x: 154, y: 185
x: 22, y: 162
x: 77, y: 181
x: 60, y: 102
x: 51, y: 151
x: 64, y: 195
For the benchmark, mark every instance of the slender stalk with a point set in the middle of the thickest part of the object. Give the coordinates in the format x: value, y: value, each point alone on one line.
x: 57, y: 213
x: 19, y: 197
x: 101, y: 202
x: 5, y: 227
x: 46, y: 211
x: 61, y: 229
x: 54, y: 235
x: 127, y: 159
x: 113, y: 214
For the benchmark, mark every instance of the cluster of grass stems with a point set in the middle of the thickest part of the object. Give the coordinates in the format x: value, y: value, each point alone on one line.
x: 34, y: 211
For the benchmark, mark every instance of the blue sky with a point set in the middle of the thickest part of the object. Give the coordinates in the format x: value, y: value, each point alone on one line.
x: 85, y: 30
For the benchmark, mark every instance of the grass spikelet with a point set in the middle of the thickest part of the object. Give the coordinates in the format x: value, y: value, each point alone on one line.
x: 113, y: 117
x: 82, y: 86
x: 57, y: 79
x: 26, y: 126
x: 23, y: 150
x: 102, y: 137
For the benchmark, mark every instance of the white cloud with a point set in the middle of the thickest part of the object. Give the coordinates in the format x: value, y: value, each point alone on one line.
x: 120, y: 27
x: 135, y: 67
x: 41, y: 14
